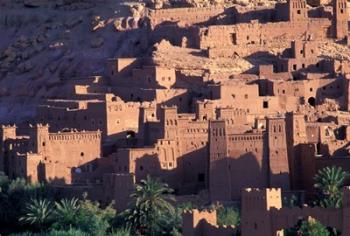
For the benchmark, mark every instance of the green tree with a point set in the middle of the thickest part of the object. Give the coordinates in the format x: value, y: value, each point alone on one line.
x: 150, y: 207
x: 14, y: 195
x: 311, y: 227
x: 329, y: 182
x: 93, y: 219
x: 66, y: 213
x: 227, y: 216
x: 38, y: 213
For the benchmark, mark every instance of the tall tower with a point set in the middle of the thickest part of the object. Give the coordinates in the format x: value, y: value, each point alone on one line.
x: 219, y: 176
x: 147, y: 115
x: 6, y: 132
x: 39, y: 135
x: 205, y: 110
x: 168, y: 119
x: 256, y: 206
x: 278, y: 155
x: 297, y: 10
x: 340, y: 19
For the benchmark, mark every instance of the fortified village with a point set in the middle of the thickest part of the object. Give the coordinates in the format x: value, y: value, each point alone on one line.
x: 192, y: 113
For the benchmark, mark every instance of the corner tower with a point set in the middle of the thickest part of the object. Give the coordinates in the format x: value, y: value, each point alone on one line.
x: 297, y: 10
x: 340, y: 19
x: 278, y: 155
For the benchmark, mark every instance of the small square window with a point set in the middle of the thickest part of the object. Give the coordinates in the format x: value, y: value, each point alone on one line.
x: 265, y: 104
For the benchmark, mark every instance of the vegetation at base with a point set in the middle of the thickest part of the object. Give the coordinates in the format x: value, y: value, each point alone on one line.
x: 309, y: 227
x: 227, y: 215
x: 152, y: 210
x: 329, y: 182
x: 312, y: 227
x: 32, y: 210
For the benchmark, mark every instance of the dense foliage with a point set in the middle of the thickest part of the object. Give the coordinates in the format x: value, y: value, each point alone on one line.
x: 227, y: 216
x: 32, y: 210
x: 329, y: 181
x: 312, y: 227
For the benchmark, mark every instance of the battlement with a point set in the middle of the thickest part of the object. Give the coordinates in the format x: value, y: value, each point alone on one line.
x: 259, y: 190
x: 246, y: 137
x: 8, y: 126
x: 75, y: 135
x: 39, y: 125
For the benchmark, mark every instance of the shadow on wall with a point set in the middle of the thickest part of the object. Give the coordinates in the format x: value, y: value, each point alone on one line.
x: 228, y: 176
x: 189, y: 175
x: 264, y: 58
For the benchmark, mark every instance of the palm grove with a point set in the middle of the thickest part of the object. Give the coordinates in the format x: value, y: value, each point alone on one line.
x: 34, y: 209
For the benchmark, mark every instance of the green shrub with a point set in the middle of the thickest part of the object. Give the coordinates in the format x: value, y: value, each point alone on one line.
x: 227, y: 216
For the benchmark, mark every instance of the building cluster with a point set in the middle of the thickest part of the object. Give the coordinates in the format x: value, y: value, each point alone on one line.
x: 207, y: 135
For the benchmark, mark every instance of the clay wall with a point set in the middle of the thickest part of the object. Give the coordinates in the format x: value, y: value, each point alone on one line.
x: 121, y: 118
x: 247, y: 97
x: 92, y: 172
x: 193, y: 139
x: 122, y: 67
x: 203, y: 223
x: 189, y: 16
x: 256, y: 204
x: 30, y: 167
x: 44, y: 156
x: 117, y: 188
x: 311, y: 92
x: 233, y: 115
x: 286, y: 218
x: 261, y: 34
x: 108, y: 116
x: 6, y: 132
x: 230, y: 155
x: 151, y: 76
x: 159, y: 161
x: 95, y: 192
x: 273, y: 219
x: 278, y: 156
x: 177, y: 35
x: 66, y: 151
x: 340, y: 18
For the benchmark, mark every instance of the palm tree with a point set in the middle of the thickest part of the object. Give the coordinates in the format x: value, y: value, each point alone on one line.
x: 150, y: 206
x: 38, y: 213
x: 66, y: 213
x: 329, y: 181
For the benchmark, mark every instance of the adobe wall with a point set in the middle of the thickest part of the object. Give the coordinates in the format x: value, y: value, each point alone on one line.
x: 189, y: 16
x: 278, y: 156
x: 148, y: 77
x: 261, y: 34
x: 6, y: 132
x: 68, y: 150
x: 107, y: 115
x: 263, y: 214
x: 230, y: 155
x: 44, y: 156
x: 247, y: 97
x: 160, y: 161
x: 256, y: 205
x: 203, y: 223
x: 117, y: 188
x: 94, y: 192
x: 317, y: 88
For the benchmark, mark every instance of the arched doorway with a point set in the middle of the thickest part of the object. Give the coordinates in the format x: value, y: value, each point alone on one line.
x: 311, y: 101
